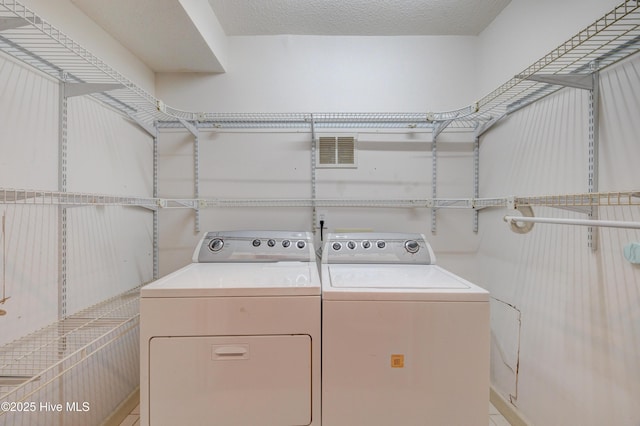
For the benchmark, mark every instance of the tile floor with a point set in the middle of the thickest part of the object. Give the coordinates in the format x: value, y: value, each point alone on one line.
x: 133, y: 419
x: 495, y: 418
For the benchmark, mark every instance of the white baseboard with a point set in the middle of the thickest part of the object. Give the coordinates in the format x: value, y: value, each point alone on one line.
x: 508, y: 411
x: 124, y: 409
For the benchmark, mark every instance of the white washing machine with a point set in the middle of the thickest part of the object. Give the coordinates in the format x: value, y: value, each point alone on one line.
x: 234, y: 338
x: 404, y: 342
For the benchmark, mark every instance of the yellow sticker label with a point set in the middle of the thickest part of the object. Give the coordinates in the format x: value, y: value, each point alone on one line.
x: 397, y: 361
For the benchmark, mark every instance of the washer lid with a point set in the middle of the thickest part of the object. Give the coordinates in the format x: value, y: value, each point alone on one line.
x: 397, y: 282
x: 237, y: 279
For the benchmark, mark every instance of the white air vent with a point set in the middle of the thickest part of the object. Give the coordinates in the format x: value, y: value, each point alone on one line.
x: 337, y: 151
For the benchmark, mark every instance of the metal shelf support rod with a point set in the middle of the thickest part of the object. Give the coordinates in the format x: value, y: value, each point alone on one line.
x: 434, y: 178
x: 151, y: 130
x: 578, y: 81
x: 476, y: 179
x: 594, y: 130
x: 439, y: 127
x: 484, y: 127
x: 314, y: 212
x: 196, y: 179
x: 80, y: 89
x: 193, y: 129
x: 156, y: 232
x: 190, y: 127
x: 62, y: 187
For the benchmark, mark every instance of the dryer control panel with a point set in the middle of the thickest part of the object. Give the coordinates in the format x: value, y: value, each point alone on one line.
x: 255, y: 246
x: 377, y: 247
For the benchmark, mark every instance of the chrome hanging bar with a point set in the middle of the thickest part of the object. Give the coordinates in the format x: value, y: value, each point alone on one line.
x: 581, y: 222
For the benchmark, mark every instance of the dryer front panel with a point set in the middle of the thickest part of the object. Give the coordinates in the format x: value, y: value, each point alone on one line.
x: 239, y: 380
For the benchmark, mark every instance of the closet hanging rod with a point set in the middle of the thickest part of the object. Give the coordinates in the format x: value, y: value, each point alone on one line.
x: 582, y: 222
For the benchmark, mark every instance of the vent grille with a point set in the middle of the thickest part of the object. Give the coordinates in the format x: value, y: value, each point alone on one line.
x: 337, y: 151
x: 327, y: 150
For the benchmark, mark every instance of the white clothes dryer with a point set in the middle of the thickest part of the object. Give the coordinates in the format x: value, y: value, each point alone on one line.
x: 404, y: 342
x: 234, y: 337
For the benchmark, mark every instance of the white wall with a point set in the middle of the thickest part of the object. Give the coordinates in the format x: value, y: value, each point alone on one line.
x: 578, y: 309
x: 66, y: 17
x: 277, y: 164
x: 337, y: 74
x: 565, y: 345
x: 319, y: 74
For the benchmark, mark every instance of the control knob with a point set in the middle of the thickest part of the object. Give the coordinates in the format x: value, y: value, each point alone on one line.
x: 271, y: 243
x: 256, y: 243
x: 216, y: 244
x: 336, y: 246
x: 351, y: 245
x: 301, y: 244
x: 366, y: 244
x: 381, y: 244
x: 286, y: 243
x: 412, y: 246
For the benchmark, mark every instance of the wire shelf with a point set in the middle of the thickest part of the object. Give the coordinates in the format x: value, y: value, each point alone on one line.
x: 604, y: 199
x: 29, y: 38
x: 451, y: 203
x: 38, y: 197
x: 608, y: 40
x: 34, y: 361
x: 32, y: 40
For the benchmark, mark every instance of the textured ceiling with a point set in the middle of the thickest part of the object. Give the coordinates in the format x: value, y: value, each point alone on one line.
x: 356, y: 17
x: 161, y: 34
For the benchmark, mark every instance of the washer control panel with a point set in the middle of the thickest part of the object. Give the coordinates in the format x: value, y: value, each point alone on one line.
x: 255, y: 246
x: 377, y: 248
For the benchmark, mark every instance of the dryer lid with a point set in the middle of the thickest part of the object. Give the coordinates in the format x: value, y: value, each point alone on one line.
x: 237, y: 279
